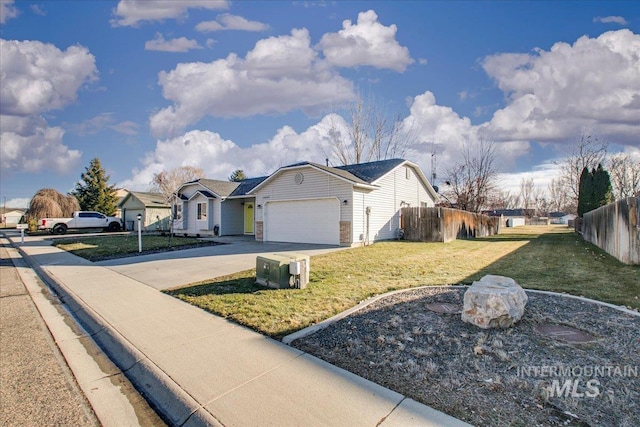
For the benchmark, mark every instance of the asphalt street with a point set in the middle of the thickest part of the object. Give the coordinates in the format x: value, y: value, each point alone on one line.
x: 36, y: 385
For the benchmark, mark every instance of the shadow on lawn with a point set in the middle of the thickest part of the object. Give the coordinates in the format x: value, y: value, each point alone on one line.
x: 562, y: 261
x: 243, y: 285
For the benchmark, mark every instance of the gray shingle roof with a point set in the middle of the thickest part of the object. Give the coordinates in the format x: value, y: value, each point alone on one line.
x: 371, y: 171
x: 150, y: 199
x: 221, y: 188
x: 246, y: 185
x: 362, y: 173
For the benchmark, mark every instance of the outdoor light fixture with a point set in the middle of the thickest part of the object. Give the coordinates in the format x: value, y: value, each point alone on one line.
x: 345, y: 201
x: 139, y: 233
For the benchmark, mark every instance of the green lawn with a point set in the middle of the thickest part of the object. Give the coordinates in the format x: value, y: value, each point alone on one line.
x: 108, y: 247
x: 549, y: 258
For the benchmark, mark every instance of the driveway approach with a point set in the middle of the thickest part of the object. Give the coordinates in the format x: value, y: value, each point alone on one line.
x: 178, y: 268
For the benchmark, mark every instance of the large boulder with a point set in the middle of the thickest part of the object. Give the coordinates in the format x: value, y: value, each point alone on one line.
x: 494, y: 302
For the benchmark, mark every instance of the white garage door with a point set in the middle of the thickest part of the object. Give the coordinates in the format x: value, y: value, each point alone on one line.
x: 303, y: 221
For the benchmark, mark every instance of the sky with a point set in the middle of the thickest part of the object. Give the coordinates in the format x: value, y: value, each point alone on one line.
x: 147, y: 86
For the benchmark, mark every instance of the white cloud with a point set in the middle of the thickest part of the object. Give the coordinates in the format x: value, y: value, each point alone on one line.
x: 227, y: 21
x: 18, y: 203
x: 439, y: 128
x: 39, y: 77
x: 366, y: 43
x: 29, y: 145
x: 219, y: 157
x: 611, y: 20
x: 7, y: 10
x: 132, y: 12
x: 279, y: 75
x: 104, y: 121
x: 552, y: 95
x: 181, y: 44
x: 38, y: 10
x: 36, y: 78
x: 541, y: 174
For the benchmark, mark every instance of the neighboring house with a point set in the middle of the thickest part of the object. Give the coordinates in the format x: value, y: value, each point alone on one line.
x: 153, y: 207
x: 208, y: 207
x: 561, y: 217
x: 511, y: 217
x: 11, y: 216
x: 121, y: 193
x: 347, y: 205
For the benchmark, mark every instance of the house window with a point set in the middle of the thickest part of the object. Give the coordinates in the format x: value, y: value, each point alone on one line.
x: 408, y: 173
x: 177, y: 211
x: 202, y: 211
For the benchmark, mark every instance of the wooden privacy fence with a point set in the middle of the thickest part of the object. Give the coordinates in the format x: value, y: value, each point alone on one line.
x: 615, y: 228
x: 445, y: 225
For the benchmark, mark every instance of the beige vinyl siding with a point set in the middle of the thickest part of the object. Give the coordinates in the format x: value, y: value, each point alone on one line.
x: 385, y: 202
x: 157, y: 219
x: 316, y: 184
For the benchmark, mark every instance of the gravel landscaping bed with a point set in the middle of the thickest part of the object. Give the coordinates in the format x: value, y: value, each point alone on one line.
x: 495, y: 377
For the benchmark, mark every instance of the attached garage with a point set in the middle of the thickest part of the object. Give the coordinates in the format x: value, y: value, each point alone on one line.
x: 303, y: 221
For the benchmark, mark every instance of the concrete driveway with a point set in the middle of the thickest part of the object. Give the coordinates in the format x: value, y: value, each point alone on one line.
x: 173, y: 269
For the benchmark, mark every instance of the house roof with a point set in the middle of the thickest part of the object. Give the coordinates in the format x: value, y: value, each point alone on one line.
x: 362, y: 175
x: 224, y: 189
x: 9, y: 210
x: 149, y: 200
x: 221, y: 189
x: 371, y: 171
x: 509, y: 212
x: 246, y: 185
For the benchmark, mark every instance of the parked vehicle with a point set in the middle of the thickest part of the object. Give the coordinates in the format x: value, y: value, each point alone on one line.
x: 80, y: 220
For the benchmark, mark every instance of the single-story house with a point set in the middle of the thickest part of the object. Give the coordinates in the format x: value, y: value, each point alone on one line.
x: 511, y: 217
x: 11, y: 216
x: 561, y: 217
x: 153, y: 207
x: 308, y: 203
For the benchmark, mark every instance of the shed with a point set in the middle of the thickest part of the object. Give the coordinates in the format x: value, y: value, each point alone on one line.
x: 153, y: 207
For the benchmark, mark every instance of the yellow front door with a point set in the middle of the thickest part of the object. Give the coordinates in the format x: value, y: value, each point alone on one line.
x: 248, y: 218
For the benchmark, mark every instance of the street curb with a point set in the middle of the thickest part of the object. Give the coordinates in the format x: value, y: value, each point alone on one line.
x: 174, y: 404
x: 330, y: 321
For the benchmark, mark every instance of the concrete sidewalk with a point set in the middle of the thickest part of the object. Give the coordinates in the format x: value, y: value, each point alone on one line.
x: 199, y: 369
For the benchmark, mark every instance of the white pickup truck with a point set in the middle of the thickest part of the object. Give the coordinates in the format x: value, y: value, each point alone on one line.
x: 80, y: 219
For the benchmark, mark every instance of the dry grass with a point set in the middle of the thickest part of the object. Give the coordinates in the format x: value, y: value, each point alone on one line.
x: 551, y: 258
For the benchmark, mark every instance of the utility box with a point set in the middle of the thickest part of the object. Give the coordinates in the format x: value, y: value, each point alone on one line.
x: 283, y: 270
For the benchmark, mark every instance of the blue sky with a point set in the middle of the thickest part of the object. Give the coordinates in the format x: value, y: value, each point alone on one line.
x: 148, y: 86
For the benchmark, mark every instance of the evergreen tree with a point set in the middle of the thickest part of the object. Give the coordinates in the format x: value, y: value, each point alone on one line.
x: 93, y: 192
x: 585, y: 189
x: 237, y: 176
x: 603, y: 194
x: 595, y: 190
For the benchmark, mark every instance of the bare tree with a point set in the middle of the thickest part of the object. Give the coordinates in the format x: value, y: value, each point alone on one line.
x: 168, y: 182
x: 624, y: 171
x: 526, y: 193
x: 540, y: 202
x: 370, y: 135
x: 557, y: 196
x: 588, y: 152
x: 502, y: 200
x: 473, y: 179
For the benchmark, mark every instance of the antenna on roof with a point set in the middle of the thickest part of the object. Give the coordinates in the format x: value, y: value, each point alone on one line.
x: 434, y: 163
